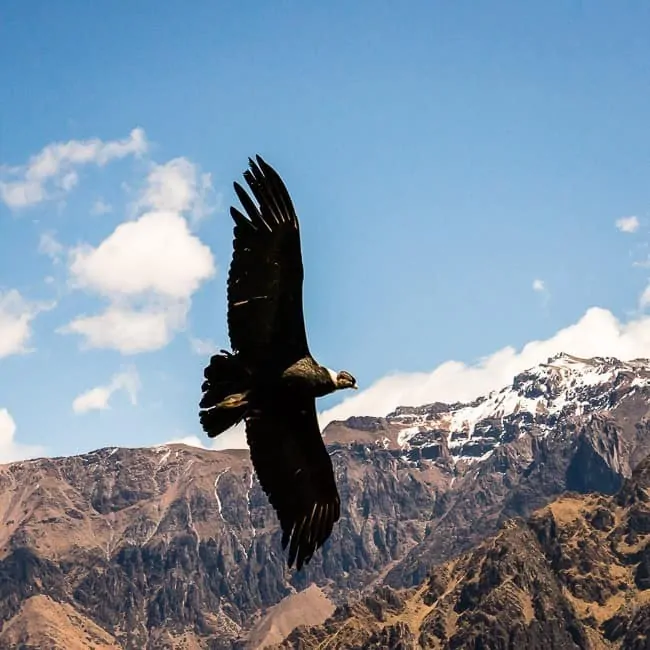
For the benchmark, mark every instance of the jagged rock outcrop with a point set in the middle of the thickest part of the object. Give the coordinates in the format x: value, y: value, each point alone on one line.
x: 172, y: 545
x: 573, y: 577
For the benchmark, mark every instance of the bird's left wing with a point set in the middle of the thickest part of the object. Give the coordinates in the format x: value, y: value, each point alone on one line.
x: 265, y: 309
x: 295, y: 471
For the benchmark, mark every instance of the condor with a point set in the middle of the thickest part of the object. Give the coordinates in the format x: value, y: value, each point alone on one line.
x: 271, y: 381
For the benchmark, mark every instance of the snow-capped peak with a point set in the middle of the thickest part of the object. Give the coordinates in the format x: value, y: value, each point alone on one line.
x: 538, y: 397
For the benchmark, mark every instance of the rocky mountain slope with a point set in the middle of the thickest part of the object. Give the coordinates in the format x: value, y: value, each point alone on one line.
x: 568, y: 424
x: 176, y: 547
x: 575, y: 576
x: 159, y: 547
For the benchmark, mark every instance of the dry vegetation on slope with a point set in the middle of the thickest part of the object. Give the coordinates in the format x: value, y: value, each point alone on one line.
x: 177, y: 547
x: 576, y: 575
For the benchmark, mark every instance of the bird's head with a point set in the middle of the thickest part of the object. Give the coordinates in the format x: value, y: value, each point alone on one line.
x: 345, y: 380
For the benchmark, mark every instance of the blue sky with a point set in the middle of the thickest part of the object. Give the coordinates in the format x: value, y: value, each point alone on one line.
x: 442, y: 156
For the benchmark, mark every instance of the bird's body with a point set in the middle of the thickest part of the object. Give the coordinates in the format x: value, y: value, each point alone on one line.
x: 272, y: 381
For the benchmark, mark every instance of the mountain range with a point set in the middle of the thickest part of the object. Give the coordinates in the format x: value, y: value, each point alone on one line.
x: 177, y: 547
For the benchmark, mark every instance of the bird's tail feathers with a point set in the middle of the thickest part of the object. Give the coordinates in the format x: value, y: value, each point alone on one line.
x: 225, y: 394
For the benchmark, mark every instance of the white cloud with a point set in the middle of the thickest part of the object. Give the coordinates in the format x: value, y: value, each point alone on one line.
x: 148, y: 268
x: 98, y: 398
x: 644, y: 299
x: 597, y: 333
x: 539, y: 286
x: 628, y: 224
x: 203, y: 347
x: 48, y: 245
x: 16, y: 316
x: 178, y: 186
x: 128, y: 329
x: 234, y: 438
x: 156, y: 253
x: 100, y: 207
x: 52, y: 172
x: 191, y: 441
x: 10, y: 450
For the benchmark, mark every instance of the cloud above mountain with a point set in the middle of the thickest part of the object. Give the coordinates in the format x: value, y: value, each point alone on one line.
x: 597, y: 333
x: 99, y: 397
x: 10, y: 450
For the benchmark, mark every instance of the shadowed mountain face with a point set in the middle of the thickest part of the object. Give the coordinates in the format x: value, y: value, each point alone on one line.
x: 575, y: 576
x: 176, y: 547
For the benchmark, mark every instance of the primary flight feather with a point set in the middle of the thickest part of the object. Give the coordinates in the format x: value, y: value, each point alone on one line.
x: 271, y: 381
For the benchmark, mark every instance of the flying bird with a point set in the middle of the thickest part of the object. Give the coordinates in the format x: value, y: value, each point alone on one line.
x: 270, y: 380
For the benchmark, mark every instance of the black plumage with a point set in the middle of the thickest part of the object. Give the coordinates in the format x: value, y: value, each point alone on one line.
x: 271, y: 380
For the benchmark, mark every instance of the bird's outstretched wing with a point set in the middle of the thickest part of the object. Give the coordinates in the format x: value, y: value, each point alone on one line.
x: 295, y: 471
x: 265, y: 310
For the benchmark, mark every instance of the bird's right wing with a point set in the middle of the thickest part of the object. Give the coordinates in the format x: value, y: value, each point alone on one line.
x: 295, y: 471
x: 265, y: 308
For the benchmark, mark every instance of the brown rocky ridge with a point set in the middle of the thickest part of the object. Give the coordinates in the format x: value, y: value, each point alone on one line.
x: 173, y: 547
x: 575, y: 576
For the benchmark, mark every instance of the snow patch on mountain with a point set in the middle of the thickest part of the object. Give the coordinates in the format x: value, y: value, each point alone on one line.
x: 565, y: 385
